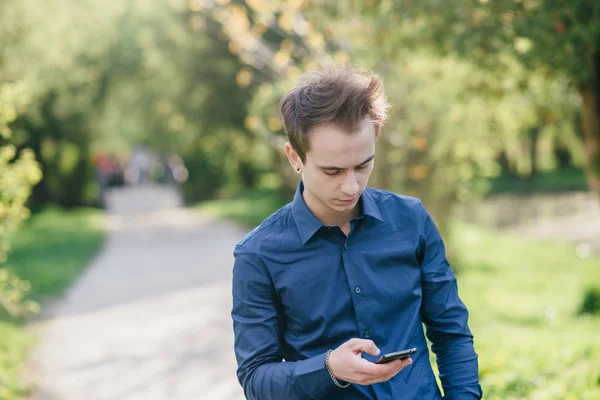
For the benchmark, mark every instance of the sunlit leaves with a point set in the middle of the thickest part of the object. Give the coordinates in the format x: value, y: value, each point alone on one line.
x: 450, y: 119
x: 18, y: 173
x: 13, y: 99
x: 244, y: 77
x: 523, y: 45
x: 275, y: 124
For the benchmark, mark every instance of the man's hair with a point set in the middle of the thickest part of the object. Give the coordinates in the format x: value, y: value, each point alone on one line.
x: 343, y: 96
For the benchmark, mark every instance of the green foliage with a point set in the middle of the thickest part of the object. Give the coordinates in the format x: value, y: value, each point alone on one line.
x: 108, y: 77
x: 210, y: 177
x: 12, y: 296
x: 559, y: 39
x: 204, y: 79
x: 557, y: 36
x: 17, y: 176
x: 562, y: 180
x: 451, y: 119
x: 18, y: 173
x: 62, y: 149
x: 591, y: 301
x: 14, y: 344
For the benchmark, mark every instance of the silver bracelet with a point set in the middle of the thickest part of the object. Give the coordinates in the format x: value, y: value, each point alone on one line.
x: 337, y: 383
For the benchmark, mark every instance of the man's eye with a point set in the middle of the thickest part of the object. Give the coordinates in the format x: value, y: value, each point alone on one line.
x: 331, y: 173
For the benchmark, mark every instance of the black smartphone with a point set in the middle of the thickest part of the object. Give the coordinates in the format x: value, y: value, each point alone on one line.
x: 397, y: 355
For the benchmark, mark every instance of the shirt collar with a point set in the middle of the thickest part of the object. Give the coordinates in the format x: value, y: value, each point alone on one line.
x: 370, y: 206
x: 305, y: 220
x: 308, y: 224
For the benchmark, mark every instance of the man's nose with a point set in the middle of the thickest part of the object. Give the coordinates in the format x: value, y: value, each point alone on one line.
x: 350, y: 185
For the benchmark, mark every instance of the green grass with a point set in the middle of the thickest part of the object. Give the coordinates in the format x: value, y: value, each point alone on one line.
x: 49, y: 251
x: 14, y: 344
x: 249, y: 208
x: 523, y: 297
x: 564, y: 180
x: 52, y: 248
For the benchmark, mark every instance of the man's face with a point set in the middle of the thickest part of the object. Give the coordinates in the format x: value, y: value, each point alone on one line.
x: 337, y: 168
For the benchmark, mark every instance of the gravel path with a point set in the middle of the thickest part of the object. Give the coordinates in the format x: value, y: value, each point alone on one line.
x: 150, y: 318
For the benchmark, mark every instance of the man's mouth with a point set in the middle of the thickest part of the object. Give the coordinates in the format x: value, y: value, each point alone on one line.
x: 349, y: 201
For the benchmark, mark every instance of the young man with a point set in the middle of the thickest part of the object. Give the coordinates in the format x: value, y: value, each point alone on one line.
x: 346, y: 273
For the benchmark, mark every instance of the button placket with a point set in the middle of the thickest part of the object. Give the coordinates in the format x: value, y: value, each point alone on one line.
x: 358, y: 292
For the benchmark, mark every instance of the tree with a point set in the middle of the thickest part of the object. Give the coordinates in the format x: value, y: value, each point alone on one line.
x: 450, y: 119
x: 108, y: 77
x: 559, y: 38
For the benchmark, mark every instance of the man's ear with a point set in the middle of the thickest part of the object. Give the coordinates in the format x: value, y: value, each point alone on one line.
x: 293, y: 158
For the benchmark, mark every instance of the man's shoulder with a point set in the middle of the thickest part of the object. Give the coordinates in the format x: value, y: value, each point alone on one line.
x: 399, y: 212
x: 271, y: 230
x: 390, y: 202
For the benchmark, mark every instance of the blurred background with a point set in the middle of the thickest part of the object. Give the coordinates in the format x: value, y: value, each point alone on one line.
x: 137, y: 131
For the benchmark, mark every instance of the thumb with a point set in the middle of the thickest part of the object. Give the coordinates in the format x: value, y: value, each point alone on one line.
x: 365, y: 345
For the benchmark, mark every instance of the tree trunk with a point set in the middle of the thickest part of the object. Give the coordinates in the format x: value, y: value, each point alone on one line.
x: 534, y: 136
x: 590, y: 121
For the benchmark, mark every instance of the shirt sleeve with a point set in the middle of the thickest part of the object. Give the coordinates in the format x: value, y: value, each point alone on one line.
x: 445, y: 317
x: 258, y: 332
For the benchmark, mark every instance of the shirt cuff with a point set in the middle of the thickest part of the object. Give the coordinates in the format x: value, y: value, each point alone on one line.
x: 312, y: 378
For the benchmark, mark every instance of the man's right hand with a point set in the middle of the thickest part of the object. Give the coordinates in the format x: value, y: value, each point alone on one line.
x: 347, y: 363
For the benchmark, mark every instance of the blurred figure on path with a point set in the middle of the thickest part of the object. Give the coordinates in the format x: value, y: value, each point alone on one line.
x: 105, y: 170
x: 138, y: 168
x: 174, y: 171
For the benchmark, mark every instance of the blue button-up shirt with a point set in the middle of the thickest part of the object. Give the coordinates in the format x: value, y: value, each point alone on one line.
x: 301, y: 288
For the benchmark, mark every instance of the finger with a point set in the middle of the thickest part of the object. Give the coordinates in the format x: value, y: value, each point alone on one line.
x: 383, y: 370
x: 384, y: 376
x: 400, y: 365
x: 377, y: 370
x: 392, y: 369
x: 364, y: 345
x: 368, y: 371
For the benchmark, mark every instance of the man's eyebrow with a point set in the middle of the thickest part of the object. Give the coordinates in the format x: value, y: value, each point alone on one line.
x: 341, y: 169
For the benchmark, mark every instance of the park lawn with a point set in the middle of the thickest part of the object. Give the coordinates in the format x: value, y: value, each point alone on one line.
x: 523, y: 297
x: 249, y: 208
x: 50, y: 250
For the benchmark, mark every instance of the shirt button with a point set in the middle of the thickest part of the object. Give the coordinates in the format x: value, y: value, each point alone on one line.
x: 357, y: 290
x: 345, y: 246
x: 367, y: 334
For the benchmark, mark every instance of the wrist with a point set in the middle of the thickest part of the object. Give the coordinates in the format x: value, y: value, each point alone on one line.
x: 338, y: 383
